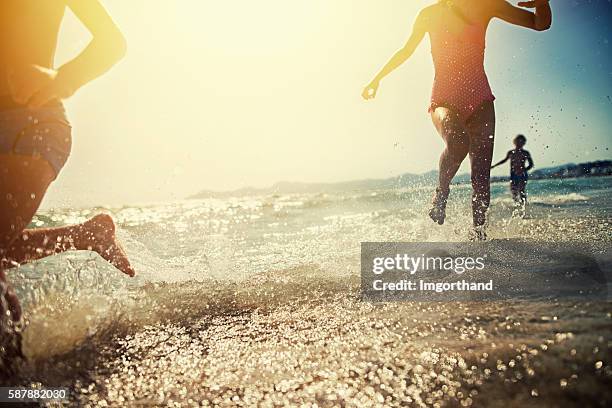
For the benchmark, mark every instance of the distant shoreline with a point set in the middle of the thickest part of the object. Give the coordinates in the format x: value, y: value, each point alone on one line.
x: 531, y: 178
x: 600, y: 168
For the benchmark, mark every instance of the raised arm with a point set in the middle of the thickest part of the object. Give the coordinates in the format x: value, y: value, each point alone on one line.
x: 418, y: 32
x: 529, y: 162
x: 106, y: 48
x: 539, y: 20
x: 503, y: 161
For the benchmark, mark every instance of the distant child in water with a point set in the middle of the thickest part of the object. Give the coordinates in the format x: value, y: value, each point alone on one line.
x: 518, y: 170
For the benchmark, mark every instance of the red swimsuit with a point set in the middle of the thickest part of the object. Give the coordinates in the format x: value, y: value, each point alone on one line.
x: 460, y: 83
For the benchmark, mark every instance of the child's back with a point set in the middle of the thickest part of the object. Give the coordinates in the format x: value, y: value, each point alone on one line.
x: 518, y: 158
x: 518, y: 170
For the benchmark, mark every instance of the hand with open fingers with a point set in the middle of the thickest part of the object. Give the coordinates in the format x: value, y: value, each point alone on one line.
x: 369, y: 92
x: 35, y: 86
x: 532, y: 4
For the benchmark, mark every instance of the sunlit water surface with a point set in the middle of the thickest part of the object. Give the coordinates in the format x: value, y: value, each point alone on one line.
x: 255, y: 300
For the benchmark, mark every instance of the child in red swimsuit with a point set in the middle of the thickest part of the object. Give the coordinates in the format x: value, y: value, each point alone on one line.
x: 462, y: 102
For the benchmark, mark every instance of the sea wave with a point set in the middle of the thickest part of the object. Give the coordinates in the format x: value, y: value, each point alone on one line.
x: 72, y: 296
x: 267, y: 284
x: 551, y: 199
x: 560, y: 198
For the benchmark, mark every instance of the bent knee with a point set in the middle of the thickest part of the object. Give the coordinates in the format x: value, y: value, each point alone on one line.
x: 458, y: 150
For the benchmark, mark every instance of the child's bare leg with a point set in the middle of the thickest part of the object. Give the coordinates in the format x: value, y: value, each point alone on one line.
x: 96, y: 234
x: 481, y: 128
x: 514, y: 189
x: 23, y: 183
x: 523, y: 193
x: 8, y: 298
x: 455, y: 137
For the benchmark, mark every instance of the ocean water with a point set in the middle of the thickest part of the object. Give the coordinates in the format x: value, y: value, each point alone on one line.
x: 255, y: 300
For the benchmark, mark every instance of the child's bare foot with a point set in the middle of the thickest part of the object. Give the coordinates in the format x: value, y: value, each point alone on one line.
x: 104, y: 242
x: 438, y: 210
x: 478, y: 234
x: 437, y: 214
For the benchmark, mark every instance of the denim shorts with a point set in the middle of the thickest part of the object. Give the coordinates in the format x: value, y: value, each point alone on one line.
x: 38, y: 132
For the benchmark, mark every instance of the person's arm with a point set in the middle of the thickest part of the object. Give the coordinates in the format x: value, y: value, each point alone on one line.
x: 540, y: 20
x: 503, y: 161
x: 418, y: 32
x: 106, y: 48
x: 529, y: 162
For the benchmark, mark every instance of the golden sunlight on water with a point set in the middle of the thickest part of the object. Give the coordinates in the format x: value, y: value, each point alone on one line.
x: 256, y: 300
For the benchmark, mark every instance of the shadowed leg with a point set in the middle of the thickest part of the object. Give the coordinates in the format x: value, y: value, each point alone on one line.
x: 481, y: 128
x: 514, y: 189
x: 96, y: 234
x: 24, y: 181
x: 452, y: 131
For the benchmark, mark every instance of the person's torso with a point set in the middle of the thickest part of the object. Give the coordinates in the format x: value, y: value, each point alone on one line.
x: 28, y: 34
x: 518, y: 158
x: 458, y: 40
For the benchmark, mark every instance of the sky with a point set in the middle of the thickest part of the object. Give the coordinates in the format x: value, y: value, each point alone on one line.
x: 225, y: 94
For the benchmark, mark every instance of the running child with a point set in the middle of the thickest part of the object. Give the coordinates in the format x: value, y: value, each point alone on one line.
x: 35, y: 134
x: 518, y: 170
x: 461, y: 105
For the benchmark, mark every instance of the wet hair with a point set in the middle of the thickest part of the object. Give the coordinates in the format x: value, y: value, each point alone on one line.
x: 520, y: 140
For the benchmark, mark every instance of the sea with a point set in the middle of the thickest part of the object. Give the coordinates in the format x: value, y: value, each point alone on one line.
x: 256, y: 301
